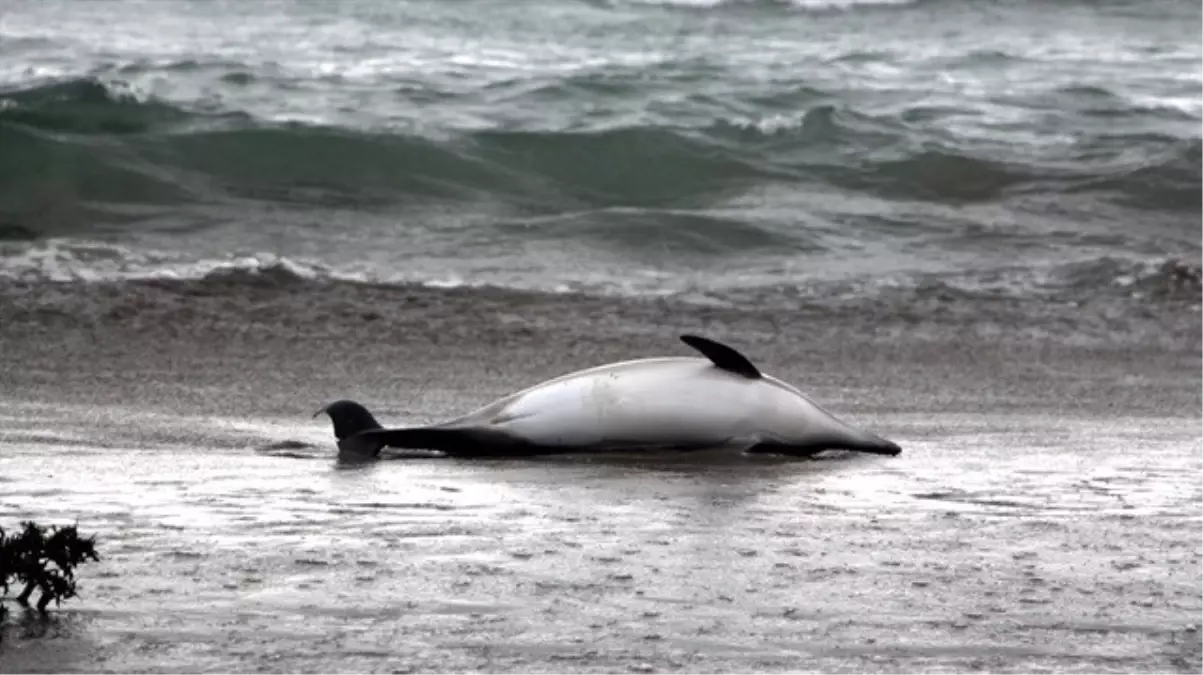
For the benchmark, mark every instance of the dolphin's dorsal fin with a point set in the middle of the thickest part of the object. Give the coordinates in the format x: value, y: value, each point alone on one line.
x: 723, y: 356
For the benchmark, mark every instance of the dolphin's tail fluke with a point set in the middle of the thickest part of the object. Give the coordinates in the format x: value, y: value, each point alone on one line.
x: 353, y: 425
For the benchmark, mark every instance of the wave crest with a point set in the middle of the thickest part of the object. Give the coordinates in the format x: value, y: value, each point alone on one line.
x: 88, y: 106
x: 1131, y: 282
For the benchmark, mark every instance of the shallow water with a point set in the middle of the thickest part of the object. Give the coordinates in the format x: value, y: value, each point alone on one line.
x: 1000, y: 542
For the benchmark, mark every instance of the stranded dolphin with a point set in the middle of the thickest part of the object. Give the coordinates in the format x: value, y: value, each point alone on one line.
x: 667, y: 403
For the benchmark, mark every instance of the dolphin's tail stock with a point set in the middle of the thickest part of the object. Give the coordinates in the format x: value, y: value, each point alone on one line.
x: 361, y: 437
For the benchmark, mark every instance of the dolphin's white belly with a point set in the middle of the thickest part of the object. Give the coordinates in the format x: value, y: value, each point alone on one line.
x: 677, y: 402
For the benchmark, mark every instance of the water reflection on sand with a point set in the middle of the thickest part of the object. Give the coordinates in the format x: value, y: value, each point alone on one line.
x: 998, y: 543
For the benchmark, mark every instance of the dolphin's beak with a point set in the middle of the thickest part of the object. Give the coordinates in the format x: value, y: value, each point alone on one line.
x: 321, y: 410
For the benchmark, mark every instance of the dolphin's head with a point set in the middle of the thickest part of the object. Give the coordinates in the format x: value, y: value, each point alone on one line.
x: 802, y: 426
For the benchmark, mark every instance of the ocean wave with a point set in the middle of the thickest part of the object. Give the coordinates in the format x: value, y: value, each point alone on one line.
x: 685, y: 234
x: 1166, y: 180
x: 87, y: 144
x: 1092, y: 103
x: 64, y: 261
x: 1127, y: 283
x: 89, y: 106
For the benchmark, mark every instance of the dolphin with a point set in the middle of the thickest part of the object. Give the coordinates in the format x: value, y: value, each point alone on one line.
x: 720, y: 400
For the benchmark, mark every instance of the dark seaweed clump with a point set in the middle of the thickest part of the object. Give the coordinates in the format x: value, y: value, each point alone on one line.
x: 43, y: 559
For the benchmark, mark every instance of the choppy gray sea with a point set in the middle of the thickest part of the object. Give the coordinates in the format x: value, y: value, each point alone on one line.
x: 701, y: 148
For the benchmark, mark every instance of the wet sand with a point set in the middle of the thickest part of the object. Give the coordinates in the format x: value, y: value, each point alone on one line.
x: 1044, y: 515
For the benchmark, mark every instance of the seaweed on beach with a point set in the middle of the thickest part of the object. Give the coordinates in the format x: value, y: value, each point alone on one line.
x: 43, y: 559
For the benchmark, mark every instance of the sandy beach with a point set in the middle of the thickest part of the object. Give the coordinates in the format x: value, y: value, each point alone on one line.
x: 1044, y: 515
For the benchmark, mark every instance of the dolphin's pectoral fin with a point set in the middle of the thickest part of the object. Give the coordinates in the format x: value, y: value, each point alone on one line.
x: 723, y: 356
x: 775, y: 448
x: 876, y: 446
